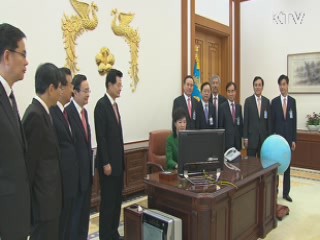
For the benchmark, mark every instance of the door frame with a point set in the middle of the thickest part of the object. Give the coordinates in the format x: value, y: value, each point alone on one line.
x: 224, y: 33
x: 220, y: 30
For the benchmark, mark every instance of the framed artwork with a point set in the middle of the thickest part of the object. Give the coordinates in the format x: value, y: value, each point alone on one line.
x: 304, y: 72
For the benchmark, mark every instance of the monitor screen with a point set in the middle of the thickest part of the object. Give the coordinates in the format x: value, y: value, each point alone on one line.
x: 200, y: 150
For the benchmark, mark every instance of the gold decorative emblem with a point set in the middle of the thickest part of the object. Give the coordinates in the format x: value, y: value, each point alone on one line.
x: 131, y: 37
x: 104, y: 60
x: 74, y: 26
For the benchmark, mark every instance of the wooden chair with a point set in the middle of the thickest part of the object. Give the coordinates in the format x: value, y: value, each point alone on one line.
x: 157, y: 150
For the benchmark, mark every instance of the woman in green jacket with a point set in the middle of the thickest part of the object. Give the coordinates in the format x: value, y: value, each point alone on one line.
x: 179, y: 123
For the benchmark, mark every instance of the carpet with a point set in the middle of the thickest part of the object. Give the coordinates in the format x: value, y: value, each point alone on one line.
x: 94, y: 218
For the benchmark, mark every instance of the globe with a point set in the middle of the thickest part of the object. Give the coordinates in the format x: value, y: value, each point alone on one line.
x: 275, y: 149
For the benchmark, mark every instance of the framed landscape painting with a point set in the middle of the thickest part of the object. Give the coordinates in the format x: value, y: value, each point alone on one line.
x: 304, y: 72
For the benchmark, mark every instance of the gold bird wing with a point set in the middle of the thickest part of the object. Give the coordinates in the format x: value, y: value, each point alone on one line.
x: 83, y: 9
x: 125, y: 18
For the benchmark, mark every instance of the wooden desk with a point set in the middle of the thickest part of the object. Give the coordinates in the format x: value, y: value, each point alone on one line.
x: 248, y: 212
x: 307, y: 151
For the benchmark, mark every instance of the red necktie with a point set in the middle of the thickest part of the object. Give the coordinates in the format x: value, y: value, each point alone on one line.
x: 259, y: 106
x: 189, y: 106
x: 284, y: 108
x: 84, y: 123
x: 115, y: 109
x: 65, y: 114
x: 233, y: 113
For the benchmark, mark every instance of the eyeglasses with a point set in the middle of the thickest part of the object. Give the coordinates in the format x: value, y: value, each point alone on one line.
x: 24, y: 55
x: 86, y: 91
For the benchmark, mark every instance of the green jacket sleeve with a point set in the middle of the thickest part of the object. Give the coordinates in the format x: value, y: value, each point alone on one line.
x: 171, y: 153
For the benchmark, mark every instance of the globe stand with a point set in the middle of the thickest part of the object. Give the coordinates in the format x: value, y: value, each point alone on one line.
x: 276, y: 150
x: 282, y: 210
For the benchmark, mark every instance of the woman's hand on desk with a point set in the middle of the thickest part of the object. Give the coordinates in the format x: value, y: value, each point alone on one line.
x: 107, y: 169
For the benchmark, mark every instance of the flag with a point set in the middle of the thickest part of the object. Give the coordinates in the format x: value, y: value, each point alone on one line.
x: 197, y: 77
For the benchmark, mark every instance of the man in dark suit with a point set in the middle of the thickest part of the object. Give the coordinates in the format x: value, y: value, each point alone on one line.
x: 43, y: 155
x: 110, y: 156
x: 187, y: 102
x: 80, y: 128
x: 257, y: 119
x: 205, y: 111
x: 216, y: 98
x: 284, y: 123
x: 230, y: 118
x: 14, y: 185
x: 68, y: 158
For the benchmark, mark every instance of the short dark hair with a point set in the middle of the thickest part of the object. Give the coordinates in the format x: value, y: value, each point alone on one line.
x: 77, y: 80
x: 63, y: 78
x: 112, y: 76
x: 177, y: 114
x: 204, y: 84
x: 64, y: 72
x: 46, y: 75
x: 185, y: 79
x: 282, y: 76
x: 9, y: 37
x: 229, y: 84
x: 67, y: 71
x: 256, y: 78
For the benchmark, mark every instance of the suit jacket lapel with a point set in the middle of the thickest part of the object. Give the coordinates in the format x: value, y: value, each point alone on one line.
x: 109, y: 105
x: 48, y: 122
x: 77, y: 119
x: 4, y: 101
x: 280, y: 106
x: 63, y: 120
x: 43, y: 111
x: 88, y: 126
x: 114, y: 114
x: 229, y: 114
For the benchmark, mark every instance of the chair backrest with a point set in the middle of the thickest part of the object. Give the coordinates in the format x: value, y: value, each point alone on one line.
x: 157, y: 147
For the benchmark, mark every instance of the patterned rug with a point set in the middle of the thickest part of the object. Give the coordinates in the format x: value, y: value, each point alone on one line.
x: 305, y: 173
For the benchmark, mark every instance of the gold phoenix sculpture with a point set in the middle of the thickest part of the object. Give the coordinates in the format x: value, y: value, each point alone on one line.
x: 104, y: 60
x: 74, y: 26
x: 132, y: 38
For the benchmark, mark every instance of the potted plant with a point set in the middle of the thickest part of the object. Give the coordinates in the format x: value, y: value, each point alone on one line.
x: 313, y: 121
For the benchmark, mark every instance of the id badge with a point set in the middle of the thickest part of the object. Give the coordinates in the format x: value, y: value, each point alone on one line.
x: 265, y: 114
x: 290, y: 113
x: 210, y: 121
x: 194, y: 115
x: 238, y: 121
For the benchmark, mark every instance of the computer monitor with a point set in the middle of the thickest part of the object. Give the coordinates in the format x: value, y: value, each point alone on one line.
x: 200, y: 150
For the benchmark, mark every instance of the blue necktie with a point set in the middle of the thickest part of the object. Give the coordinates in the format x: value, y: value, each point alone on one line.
x: 206, y: 112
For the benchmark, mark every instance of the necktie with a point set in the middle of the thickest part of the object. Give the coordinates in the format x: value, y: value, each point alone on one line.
x: 14, y: 108
x: 216, y: 107
x: 233, y: 113
x: 284, y: 108
x: 65, y: 114
x: 189, y: 106
x: 84, y: 123
x: 259, y: 106
x: 115, y: 109
x: 206, y: 112
x: 215, y: 102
